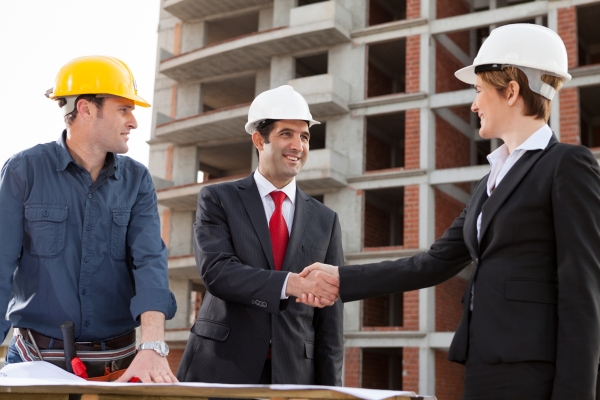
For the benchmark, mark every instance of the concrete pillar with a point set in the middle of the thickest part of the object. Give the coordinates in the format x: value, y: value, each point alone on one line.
x: 189, y: 100
x: 181, y: 288
x: 281, y: 12
x: 283, y: 69
x: 185, y: 165
x: 263, y: 81
x: 181, y: 234
x: 265, y: 19
x: 193, y: 36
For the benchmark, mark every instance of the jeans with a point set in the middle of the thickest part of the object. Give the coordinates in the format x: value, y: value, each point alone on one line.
x: 12, y: 355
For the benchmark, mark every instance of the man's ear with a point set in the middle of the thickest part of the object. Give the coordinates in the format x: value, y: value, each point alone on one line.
x: 84, y: 109
x: 258, y: 141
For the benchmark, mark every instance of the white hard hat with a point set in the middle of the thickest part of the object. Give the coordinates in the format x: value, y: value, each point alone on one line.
x: 534, y: 49
x: 279, y: 103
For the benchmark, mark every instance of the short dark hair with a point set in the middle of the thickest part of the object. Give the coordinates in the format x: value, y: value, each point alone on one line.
x: 92, y: 98
x: 265, y: 128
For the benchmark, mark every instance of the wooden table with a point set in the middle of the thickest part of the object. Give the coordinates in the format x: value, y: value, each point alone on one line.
x: 169, y: 392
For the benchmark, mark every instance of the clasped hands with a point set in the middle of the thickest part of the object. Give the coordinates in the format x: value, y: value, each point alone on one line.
x: 318, y: 285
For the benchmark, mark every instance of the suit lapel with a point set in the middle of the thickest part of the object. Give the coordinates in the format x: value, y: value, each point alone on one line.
x: 302, y: 215
x: 509, y: 183
x: 479, y: 198
x: 252, y: 202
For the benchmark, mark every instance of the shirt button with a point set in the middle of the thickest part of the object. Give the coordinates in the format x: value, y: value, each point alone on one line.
x: 84, y: 292
x: 87, y: 228
x: 45, y: 213
x: 89, y: 196
x: 87, y: 323
x: 86, y: 259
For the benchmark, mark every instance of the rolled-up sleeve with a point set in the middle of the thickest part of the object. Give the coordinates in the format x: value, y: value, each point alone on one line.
x: 11, y: 233
x: 149, y: 255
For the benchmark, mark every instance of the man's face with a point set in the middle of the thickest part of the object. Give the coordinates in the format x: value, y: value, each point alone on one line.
x: 287, y: 151
x: 111, y: 127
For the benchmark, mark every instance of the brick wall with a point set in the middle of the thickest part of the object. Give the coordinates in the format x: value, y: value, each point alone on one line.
x: 412, y: 63
x: 569, y: 116
x: 174, y: 359
x: 352, y: 366
x: 448, y: 377
x: 451, y: 8
x: 379, y: 154
x: 377, y: 227
x: 376, y: 311
x: 412, y: 138
x: 410, y: 369
x: 452, y: 147
x: 567, y: 30
x: 448, y: 308
x: 411, y: 217
x: 378, y: 82
x: 413, y: 9
x: 375, y: 370
x: 411, y: 311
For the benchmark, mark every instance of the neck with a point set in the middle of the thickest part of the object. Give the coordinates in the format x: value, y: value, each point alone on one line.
x: 279, y: 183
x: 85, y: 154
x: 519, y: 131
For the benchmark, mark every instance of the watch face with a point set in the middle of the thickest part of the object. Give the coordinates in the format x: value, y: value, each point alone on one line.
x: 163, y: 348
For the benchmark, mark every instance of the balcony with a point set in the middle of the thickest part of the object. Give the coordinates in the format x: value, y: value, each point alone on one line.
x: 221, y: 126
x: 187, y: 10
x: 316, y: 25
x: 326, y: 94
x: 324, y: 171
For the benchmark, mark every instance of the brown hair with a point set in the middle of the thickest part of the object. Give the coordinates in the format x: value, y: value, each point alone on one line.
x: 536, y: 105
x: 92, y: 98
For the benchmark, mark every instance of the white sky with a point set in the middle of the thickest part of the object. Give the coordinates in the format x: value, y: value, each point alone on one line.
x: 37, y: 37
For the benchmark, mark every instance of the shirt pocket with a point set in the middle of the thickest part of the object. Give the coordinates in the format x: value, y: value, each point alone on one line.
x: 118, y: 235
x: 45, y: 229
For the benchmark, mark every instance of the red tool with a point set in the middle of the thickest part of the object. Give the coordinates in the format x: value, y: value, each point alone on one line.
x: 79, y: 368
x: 135, y: 379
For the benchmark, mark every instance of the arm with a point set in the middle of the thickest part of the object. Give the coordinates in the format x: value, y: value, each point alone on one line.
x: 11, y: 234
x: 149, y: 255
x: 328, y: 324
x: 576, y: 205
x: 147, y: 364
x: 224, y: 275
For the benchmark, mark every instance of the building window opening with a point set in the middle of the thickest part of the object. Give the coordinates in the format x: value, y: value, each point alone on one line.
x: 590, y: 116
x: 311, y: 65
x: 229, y: 93
x: 225, y: 29
x: 588, y: 39
x: 386, y: 68
x: 382, y: 368
x: 233, y: 160
x: 383, y: 311
x: 383, y: 11
x: 384, y: 218
x: 385, y: 141
x: 317, y: 136
x: 309, y: 2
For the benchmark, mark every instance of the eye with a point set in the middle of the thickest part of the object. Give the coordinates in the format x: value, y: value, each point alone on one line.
x: 305, y: 138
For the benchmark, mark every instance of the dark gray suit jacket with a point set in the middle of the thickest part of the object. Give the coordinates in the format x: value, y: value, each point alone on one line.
x: 242, y: 311
x: 536, y: 269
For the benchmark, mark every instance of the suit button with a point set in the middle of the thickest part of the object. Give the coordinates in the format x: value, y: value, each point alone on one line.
x: 477, y: 261
x: 264, y: 304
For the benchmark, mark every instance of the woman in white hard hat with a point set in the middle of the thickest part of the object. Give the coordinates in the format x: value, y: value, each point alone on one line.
x: 531, y: 312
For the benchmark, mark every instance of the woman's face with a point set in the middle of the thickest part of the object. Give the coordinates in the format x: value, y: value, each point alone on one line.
x: 491, y: 108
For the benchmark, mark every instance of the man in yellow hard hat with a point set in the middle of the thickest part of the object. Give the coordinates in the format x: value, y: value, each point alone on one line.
x: 81, y: 237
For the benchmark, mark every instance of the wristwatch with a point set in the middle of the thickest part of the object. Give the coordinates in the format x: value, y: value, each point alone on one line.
x: 160, y: 347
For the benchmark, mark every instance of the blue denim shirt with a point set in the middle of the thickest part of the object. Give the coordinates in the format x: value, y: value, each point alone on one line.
x: 75, y: 250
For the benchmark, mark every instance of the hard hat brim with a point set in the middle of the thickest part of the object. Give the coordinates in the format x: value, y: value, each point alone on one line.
x: 468, y: 75
x: 251, y: 129
x: 137, y: 100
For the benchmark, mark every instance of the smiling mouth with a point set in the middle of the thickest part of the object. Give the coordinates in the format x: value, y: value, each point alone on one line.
x: 292, y: 158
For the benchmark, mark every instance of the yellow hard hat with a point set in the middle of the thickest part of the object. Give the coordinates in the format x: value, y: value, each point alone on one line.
x: 96, y: 75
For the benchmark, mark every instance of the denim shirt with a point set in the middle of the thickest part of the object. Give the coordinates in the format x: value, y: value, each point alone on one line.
x: 73, y: 250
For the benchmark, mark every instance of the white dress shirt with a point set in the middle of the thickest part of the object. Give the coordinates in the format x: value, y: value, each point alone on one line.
x: 287, y: 208
x: 501, y: 161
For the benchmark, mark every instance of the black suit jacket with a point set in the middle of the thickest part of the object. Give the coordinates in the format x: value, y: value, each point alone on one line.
x: 536, y: 268
x: 242, y: 311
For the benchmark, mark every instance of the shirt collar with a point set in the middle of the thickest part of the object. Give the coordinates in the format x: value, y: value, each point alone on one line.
x: 265, y: 187
x: 537, y: 141
x: 65, y: 158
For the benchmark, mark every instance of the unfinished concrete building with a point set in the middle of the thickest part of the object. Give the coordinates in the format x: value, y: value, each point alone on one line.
x: 396, y: 156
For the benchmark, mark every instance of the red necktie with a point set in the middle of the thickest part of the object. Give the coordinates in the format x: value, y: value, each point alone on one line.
x: 279, y: 231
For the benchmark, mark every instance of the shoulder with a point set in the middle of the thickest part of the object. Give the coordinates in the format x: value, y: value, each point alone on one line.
x: 39, y: 154
x: 128, y: 164
x: 564, y: 154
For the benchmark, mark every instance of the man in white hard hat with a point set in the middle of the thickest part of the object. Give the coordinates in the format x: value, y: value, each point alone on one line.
x: 80, y: 239
x: 530, y: 327
x: 251, y: 238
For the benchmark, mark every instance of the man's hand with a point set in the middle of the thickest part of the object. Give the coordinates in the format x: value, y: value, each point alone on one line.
x: 149, y: 367
x: 147, y: 364
x: 310, y: 298
x: 321, y: 284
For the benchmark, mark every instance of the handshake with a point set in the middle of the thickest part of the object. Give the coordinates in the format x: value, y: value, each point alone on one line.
x: 318, y: 285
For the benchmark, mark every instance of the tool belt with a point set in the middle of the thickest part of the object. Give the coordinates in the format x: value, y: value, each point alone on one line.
x: 105, y: 360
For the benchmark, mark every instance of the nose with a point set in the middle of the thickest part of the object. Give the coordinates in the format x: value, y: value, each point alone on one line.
x: 132, y: 123
x: 296, y: 144
x: 474, y: 107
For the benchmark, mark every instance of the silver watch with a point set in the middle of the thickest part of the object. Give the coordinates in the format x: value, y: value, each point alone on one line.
x: 160, y: 347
